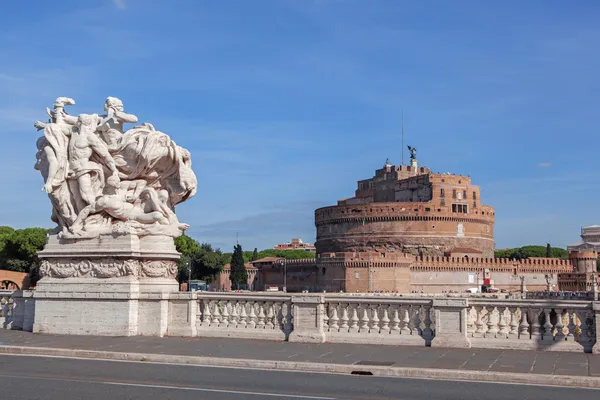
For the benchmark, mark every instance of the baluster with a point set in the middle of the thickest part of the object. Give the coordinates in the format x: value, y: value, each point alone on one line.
x: 502, y: 327
x: 333, y: 320
x: 415, y: 320
x: 279, y: 318
x: 385, y: 321
x: 404, y: 329
x: 374, y: 327
x: 206, y: 314
x: 289, y: 319
x: 427, y: 332
x: 535, y: 326
x: 260, y: 324
x: 524, y: 325
x: 513, y: 325
x: 354, y: 319
x: 571, y: 327
x: 344, y: 326
x: 235, y: 317
x: 560, y: 334
x: 270, y: 316
x: 225, y: 315
x: 243, y: 321
x: 395, y: 328
x: 491, y: 325
x: 326, y: 313
x: 479, y: 322
x: 364, y: 321
x: 216, y: 319
x: 252, y: 316
x: 547, y: 334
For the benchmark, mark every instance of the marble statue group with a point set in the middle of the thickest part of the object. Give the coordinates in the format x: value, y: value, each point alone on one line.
x: 103, y: 179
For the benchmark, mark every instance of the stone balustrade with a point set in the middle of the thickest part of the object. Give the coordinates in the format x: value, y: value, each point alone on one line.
x: 532, y: 324
x: 244, y: 316
x: 378, y: 320
x: 549, y: 324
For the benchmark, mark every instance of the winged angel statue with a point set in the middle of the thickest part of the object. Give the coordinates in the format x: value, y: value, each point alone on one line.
x: 103, y: 180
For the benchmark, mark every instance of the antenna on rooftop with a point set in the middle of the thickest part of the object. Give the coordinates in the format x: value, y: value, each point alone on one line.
x: 403, y: 136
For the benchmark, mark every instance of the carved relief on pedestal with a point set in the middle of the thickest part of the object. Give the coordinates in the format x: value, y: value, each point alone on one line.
x: 107, y: 268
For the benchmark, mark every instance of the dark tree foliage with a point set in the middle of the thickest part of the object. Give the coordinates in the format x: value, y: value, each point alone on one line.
x: 254, y: 255
x: 18, y: 250
x: 238, y: 274
x: 532, y: 251
x: 205, y: 262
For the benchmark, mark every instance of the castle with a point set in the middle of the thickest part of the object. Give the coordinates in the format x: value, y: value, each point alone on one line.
x: 410, y: 230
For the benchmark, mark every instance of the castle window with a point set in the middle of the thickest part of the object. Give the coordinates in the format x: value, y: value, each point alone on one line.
x: 443, y: 180
x: 442, y: 193
x: 474, y: 195
x: 427, y: 209
x: 464, y: 194
x: 453, y: 193
x: 475, y: 204
x: 442, y: 203
x: 454, y: 207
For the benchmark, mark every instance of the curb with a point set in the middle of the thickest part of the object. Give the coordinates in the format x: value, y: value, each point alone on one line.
x: 397, y: 372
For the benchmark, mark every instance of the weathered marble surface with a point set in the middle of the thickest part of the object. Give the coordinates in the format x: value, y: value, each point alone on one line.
x: 102, y: 179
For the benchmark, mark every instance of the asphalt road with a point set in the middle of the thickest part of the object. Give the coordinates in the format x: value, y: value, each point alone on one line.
x: 40, y: 378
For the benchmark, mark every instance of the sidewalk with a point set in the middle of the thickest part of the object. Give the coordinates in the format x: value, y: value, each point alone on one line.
x: 531, y: 367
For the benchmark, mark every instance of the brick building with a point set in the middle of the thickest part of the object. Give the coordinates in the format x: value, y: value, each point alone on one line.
x: 296, y: 244
x: 410, y: 230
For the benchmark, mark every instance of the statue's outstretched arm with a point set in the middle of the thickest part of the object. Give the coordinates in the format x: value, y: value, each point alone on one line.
x: 124, y: 117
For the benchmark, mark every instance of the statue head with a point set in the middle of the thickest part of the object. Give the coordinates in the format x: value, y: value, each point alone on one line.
x: 114, y: 103
x: 63, y: 101
x: 87, y: 122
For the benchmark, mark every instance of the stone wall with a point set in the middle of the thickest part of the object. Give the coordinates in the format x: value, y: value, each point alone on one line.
x: 416, y: 228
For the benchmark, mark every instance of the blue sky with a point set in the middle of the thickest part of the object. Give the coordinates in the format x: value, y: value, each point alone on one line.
x: 285, y: 104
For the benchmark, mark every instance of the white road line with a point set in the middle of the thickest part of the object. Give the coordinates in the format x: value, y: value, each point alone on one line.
x: 194, y: 389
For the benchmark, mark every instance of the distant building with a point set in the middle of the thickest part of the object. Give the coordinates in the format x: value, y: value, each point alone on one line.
x: 296, y: 244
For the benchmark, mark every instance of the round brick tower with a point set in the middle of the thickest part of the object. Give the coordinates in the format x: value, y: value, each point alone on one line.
x: 411, y: 210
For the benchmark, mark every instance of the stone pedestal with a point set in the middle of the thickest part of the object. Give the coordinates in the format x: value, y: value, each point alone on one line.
x: 106, y: 285
x: 451, y: 323
x: 308, y: 319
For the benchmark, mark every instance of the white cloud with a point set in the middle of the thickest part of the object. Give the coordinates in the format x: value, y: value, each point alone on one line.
x: 119, y: 4
x: 544, y: 164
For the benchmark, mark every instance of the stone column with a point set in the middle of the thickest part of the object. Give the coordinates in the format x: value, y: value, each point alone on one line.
x: 451, y: 323
x: 308, y: 314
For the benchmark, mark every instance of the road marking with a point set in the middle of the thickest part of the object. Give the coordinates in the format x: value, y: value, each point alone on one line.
x: 323, y: 355
x: 187, y: 388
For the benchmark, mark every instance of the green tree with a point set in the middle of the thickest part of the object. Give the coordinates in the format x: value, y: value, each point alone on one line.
x: 531, y: 251
x: 188, y: 248
x: 207, y: 263
x: 548, y: 250
x: 254, y: 256
x: 238, y: 274
x: 204, y: 261
x: 18, y: 251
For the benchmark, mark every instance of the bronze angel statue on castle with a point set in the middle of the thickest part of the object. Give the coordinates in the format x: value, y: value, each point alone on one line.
x: 102, y: 179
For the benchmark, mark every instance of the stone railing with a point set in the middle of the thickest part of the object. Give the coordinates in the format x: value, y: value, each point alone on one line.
x: 378, y: 320
x: 532, y: 324
x: 244, y: 316
x: 418, y: 320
